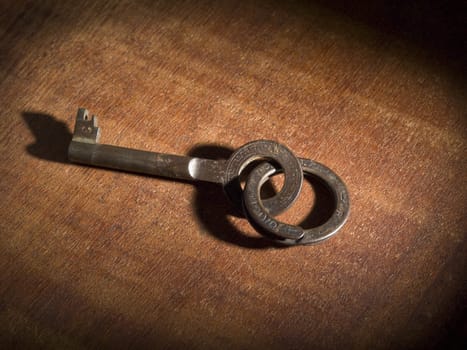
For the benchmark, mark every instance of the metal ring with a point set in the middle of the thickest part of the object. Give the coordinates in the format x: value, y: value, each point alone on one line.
x: 291, y: 234
x: 264, y: 149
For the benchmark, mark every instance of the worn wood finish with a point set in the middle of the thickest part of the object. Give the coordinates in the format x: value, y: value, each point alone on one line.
x: 91, y: 258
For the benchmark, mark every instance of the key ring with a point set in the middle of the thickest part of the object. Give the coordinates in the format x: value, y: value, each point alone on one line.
x: 286, y: 233
x: 262, y: 149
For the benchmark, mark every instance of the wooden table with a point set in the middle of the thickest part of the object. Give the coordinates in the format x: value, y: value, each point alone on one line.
x: 91, y: 258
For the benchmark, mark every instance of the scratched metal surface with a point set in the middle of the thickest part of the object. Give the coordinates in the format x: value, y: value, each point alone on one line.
x: 91, y: 258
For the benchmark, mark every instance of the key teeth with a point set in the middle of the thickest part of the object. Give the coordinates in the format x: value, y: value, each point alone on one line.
x: 86, y: 129
x: 82, y: 114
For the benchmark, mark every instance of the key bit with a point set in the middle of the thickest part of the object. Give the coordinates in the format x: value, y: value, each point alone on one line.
x: 86, y: 129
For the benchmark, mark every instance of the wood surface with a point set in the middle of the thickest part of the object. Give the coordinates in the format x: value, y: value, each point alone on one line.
x: 92, y: 258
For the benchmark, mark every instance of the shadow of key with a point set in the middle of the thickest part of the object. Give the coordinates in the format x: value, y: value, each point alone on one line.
x: 52, y: 137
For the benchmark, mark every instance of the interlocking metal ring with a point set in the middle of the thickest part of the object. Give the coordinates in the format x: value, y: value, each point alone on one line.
x: 265, y: 149
x: 291, y: 234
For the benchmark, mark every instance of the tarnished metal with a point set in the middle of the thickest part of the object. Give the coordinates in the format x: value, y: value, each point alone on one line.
x: 86, y: 129
x: 270, y: 150
x: 291, y: 234
x: 86, y: 149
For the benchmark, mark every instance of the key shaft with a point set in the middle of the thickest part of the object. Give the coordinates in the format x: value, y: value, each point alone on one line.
x: 86, y: 149
x: 145, y: 162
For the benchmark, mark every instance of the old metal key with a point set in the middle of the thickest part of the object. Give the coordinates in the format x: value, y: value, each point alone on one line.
x: 86, y: 149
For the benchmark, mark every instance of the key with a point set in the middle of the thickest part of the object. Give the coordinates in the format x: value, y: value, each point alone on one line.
x: 86, y: 149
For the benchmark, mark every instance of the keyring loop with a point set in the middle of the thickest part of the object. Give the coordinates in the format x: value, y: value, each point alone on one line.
x: 292, y: 234
x: 265, y: 149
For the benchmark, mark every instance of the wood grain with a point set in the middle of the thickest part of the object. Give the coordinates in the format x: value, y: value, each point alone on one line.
x: 91, y: 258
